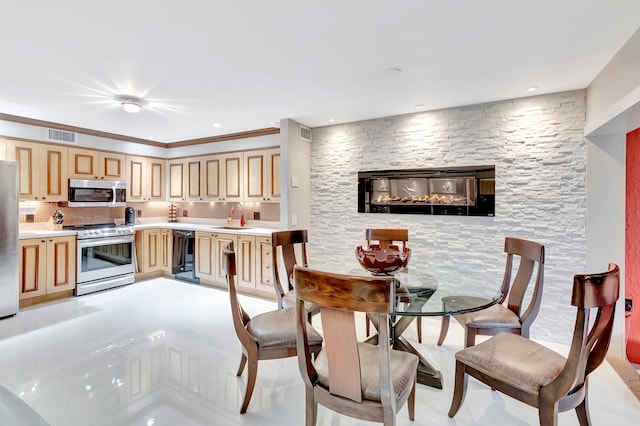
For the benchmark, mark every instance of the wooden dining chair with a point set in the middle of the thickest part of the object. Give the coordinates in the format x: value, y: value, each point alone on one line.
x: 269, y: 335
x: 538, y: 376
x: 361, y: 380
x: 289, y: 249
x: 514, y: 317
x: 385, y: 237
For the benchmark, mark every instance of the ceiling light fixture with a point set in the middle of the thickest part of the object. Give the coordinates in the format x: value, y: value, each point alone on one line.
x: 132, y: 104
x: 391, y: 72
x: 532, y: 88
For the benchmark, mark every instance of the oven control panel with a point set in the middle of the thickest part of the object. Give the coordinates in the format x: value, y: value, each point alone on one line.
x: 105, y: 232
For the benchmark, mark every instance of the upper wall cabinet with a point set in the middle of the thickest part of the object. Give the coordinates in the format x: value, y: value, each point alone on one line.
x: 3, y: 149
x: 92, y: 164
x: 262, y: 171
x: 209, y: 178
x: 145, y: 178
x: 43, y: 170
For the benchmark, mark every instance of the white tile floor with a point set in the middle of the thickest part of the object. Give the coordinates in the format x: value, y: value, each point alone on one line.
x: 163, y: 352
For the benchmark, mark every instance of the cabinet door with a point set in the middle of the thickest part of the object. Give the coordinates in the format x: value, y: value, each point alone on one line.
x: 32, y: 259
x: 151, y: 251
x: 262, y: 175
x: 83, y: 164
x: 26, y: 154
x: 176, y: 180
x: 54, y: 177
x: 245, y: 261
x: 273, y: 175
x: 221, y: 242
x: 155, y: 179
x: 264, y: 267
x: 205, y: 256
x: 61, y: 264
x: 166, y: 245
x: 232, y: 177
x: 193, y: 173
x: 136, y: 172
x: 211, y: 178
x: 3, y: 149
x: 111, y: 166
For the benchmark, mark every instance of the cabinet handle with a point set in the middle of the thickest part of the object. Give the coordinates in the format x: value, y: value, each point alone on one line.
x: 43, y: 241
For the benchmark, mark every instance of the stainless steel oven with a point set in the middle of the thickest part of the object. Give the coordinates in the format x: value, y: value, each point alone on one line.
x: 105, y: 258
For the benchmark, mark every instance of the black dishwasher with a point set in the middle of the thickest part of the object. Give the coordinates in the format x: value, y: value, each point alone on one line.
x: 183, y: 259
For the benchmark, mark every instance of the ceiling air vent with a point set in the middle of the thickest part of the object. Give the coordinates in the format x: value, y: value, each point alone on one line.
x: 56, y: 135
x: 305, y: 133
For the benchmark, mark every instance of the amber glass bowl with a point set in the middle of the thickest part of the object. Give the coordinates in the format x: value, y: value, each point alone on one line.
x: 383, y: 262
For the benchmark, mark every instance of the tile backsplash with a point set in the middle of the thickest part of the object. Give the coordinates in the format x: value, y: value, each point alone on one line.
x: 88, y: 215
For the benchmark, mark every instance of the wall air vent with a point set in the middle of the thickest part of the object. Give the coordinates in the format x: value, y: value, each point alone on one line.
x: 305, y: 133
x: 56, y: 135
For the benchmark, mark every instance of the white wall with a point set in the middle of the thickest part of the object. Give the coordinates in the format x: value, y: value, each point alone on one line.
x: 613, y: 110
x: 539, y: 152
x: 295, y: 162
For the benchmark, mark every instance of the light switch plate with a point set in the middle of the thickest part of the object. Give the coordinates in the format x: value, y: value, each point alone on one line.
x: 293, y: 220
x: 295, y: 181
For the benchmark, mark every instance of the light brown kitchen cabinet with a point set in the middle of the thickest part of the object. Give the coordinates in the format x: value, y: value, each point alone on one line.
x: 153, y: 250
x: 245, y: 261
x: 94, y: 164
x: 176, y: 180
x: 47, y: 266
x: 262, y: 175
x: 145, y: 178
x: 209, y: 256
x: 231, y: 177
x: 43, y: 170
x: 3, y: 149
x: 264, y: 267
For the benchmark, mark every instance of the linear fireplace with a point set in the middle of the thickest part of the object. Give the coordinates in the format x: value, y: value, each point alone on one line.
x: 466, y: 191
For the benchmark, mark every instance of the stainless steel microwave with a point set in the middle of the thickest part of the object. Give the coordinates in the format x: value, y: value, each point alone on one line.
x: 97, y: 193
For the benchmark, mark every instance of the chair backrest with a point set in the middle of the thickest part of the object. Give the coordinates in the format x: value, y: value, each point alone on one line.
x: 285, y: 244
x: 240, y: 317
x: 591, y: 338
x: 386, y: 236
x: 339, y: 296
x: 531, y: 258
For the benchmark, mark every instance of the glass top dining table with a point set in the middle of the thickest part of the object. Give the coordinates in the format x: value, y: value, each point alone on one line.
x: 418, y: 294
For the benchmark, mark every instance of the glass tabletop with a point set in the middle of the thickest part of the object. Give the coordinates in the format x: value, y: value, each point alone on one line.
x: 420, y: 294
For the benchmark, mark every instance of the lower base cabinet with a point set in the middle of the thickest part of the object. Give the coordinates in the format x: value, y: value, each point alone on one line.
x: 47, y: 266
x: 153, y: 250
x: 253, y: 262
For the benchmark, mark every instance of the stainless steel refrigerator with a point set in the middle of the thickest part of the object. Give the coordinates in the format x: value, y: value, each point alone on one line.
x: 8, y: 238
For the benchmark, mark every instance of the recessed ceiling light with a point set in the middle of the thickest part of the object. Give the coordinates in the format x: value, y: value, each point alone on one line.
x: 130, y: 103
x: 419, y: 106
x: 331, y: 120
x: 390, y: 72
x: 532, y: 88
x: 217, y: 125
x: 150, y: 137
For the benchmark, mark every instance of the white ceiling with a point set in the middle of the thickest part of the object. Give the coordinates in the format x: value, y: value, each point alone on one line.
x: 248, y: 64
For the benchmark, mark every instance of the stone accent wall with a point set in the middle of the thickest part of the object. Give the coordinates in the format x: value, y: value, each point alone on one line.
x: 539, y: 151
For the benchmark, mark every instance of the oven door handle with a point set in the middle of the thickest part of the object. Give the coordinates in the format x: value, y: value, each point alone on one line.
x: 93, y: 242
x: 113, y: 195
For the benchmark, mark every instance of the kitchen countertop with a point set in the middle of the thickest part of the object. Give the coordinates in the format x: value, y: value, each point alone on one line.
x: 206, y: 226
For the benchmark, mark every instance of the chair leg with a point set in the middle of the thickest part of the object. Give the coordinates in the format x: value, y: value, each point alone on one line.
x: 548, y: 413
x: 367, y: 325
x: 582, y: 410
x: 251, y: 382
x: 411, y: 401
x: 444, y: 328
x: 419, y: 321
x: 470, y: 336
x: 459, y: 389
x: 311, y: 412
x: 243, y: 361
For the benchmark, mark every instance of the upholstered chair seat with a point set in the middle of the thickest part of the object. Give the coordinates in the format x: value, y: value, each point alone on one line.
x: 278, y: 329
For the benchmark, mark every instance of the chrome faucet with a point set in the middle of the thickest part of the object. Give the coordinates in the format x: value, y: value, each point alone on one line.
x: 243, y: 221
